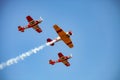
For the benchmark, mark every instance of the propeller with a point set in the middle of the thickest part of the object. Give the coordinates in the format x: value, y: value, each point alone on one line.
x: 41, y: 18
x: 71, y: 55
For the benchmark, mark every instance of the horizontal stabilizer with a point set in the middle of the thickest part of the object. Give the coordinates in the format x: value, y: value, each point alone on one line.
x: 21, y: 28
x: 49, y: 40
x: 51, y: 62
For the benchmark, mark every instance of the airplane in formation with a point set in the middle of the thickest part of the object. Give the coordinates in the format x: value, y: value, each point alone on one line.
x: 64, y: 36
x: 62, y: 58
x: 31, y: 24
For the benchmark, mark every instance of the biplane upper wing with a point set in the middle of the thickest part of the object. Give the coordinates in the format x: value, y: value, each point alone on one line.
x: 29, y: 18
x: 61, y: 56
x: 66, y: 39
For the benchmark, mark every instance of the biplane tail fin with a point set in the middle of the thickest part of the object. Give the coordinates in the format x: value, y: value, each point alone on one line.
x: 51, y: 62
x: 49, y: 40
x: 21, y: 28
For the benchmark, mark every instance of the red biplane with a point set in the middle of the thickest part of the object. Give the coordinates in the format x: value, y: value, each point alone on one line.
x: 31, y: 24
x: 64, y: 36
x: 62, y: 58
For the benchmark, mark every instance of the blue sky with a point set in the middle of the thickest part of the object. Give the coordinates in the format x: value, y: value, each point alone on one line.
x: 96, y: 29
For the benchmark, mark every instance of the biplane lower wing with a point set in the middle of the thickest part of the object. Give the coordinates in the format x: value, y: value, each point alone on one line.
x: 66, y: 39
x: 66, y: 63
x: 37, y: 28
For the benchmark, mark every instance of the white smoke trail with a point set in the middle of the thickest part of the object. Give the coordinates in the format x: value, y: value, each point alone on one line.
x: 22, y: 56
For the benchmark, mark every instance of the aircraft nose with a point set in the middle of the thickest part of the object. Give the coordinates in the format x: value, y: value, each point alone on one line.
x: 70, y: 32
